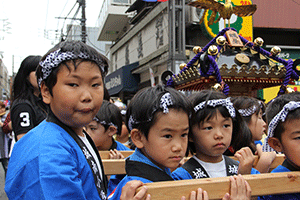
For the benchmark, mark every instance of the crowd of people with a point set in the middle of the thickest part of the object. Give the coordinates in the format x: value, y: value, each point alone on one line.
x: 62, y: 115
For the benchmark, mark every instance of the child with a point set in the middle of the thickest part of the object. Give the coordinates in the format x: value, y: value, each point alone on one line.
x: 158, y: 119
x: 215, y: 126
x: 28, y: 109
x: 251, y: 110
x: 57, y: 159
x: 107, y: 123
x: 283, y: 115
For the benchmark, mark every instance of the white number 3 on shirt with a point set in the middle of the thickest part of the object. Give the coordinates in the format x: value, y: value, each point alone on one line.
x: 25, y: 118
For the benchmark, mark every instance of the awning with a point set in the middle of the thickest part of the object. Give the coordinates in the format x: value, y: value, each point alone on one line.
x: 122, y: 80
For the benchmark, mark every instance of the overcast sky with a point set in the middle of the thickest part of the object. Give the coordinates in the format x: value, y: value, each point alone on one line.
x: 33, y: 24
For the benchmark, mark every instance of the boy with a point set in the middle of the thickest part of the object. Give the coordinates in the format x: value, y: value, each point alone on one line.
x: 57, y: 159
x: 283, y: 115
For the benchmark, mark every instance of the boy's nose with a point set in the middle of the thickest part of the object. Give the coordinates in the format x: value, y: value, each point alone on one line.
x: 86, y: 95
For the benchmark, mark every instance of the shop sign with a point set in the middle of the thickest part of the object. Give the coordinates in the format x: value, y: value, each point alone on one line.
x: 113, y: 82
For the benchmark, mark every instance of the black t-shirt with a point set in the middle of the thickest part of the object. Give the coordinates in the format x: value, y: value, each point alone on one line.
x: 26, y: 115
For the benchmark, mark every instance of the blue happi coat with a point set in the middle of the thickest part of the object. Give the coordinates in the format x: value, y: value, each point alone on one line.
x: 137, y: 157
x: 47, y: 163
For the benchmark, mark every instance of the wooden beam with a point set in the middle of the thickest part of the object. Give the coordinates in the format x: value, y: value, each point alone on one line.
x: 117, y: 166
x: 261, y: 184
x: 105, y: 154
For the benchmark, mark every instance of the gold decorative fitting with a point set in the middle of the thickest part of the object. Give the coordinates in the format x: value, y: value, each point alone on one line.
x: 258, y: 41
x: 275, y: 50
x: 217, y: 87
x: 182, y: 65
x: 196, y: 49
x: 213, y: 50
x: 221, y: 40
x: 242, y: 58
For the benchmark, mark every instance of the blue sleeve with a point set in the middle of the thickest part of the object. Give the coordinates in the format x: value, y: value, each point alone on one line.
x: 181, y: 174
x: 114, y: 180
x: 116, y: 194
x: 254, y: 171
x: 122, y: 147
x: 53, y: 175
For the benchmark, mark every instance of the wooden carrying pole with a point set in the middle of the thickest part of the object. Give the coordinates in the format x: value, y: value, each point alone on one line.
x: 117, y: 166
x: 261, y: 184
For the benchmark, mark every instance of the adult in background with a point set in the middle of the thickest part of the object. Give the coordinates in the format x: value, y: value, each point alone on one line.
x: 27, y: 109
x: 5, y: 140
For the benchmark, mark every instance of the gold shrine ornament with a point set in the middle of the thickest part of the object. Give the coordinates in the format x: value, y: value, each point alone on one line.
x: 213, y: 50
x: 221, y: 40
x: 258, y: 41
x: 197, y: 49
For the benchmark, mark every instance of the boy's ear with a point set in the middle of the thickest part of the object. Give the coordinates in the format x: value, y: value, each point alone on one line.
x: 45, y: 93
x: 275, y: 144
x: 112, y: 130
x: 137, y: 138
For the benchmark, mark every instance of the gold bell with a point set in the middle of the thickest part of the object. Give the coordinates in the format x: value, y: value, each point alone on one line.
x: 197, y: 49
x: 221, y: 40
x: 213, y: 50
x: 275, y: 50
x: 182, y: 65
x: 217, y: 87
x: 258, y: 41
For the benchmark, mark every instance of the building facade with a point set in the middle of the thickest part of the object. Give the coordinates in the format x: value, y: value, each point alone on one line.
x: 146, y: 38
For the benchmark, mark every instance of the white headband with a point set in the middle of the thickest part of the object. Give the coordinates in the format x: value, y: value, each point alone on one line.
x: 165, y: 102
x: 216, y: 102
x: 281, y: 116
x: 248, y: 111
x: 105, y: 123
x: 55, y: 58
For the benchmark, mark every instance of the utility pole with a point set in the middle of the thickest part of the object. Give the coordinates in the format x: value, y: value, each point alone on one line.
x: 83, y: 20
x: 176, y: 34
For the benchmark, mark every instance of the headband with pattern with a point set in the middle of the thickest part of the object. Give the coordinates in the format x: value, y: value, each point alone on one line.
x: 165, y: 102
x: 248, y: 111
x: 104, y: 122
x: 281, y: 116
x: 55, y: 58
x: 217, y: 102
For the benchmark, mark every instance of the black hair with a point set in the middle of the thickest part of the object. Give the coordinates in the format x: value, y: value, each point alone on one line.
x: 145, y: 105
x: 76, y: 47
x: 240, y: 131
x: 245, y: 102
x: 276, y: 105
x: 110, y: 113
x: 106, y: 94
x: 22, y: 88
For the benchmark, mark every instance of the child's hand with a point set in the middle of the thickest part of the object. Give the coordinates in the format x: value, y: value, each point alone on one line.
x: 115, y: 154
x: 246, y: 159
x: 200, y: 195
x: 129, y: 191
x: 265, y: 159
x: 239, y: 189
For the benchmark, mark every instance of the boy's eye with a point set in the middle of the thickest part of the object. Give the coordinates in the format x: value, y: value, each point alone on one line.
x: 73, y: 84
x: 92, y: 129
x: 96, y: 85
x: 184, y: 135
x: 167, y: 136
x: 207, y: 128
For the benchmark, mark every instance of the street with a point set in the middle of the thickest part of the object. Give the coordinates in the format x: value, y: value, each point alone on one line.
x: 2, y: 181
